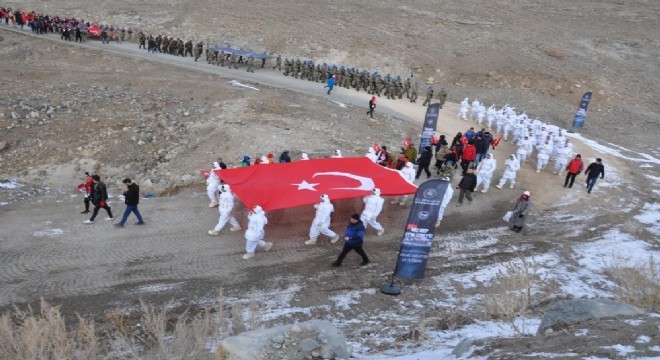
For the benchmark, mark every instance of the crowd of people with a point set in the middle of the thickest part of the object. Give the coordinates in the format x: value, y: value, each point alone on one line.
x: 468, y: 152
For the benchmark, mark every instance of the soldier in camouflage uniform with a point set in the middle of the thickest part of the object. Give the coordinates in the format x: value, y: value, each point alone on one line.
x: 287, y: 67
x: 182, y: 47
x: 198, y: 50
x: 250, y: 64
x: 209, y: 56
x: 232, y: 61
x: 165, y: 45
x: 188, y: 49
x: 303, y: 70
x: 143, y: 41
x: 278, y: 63
x: 429, y: 96
x: 413, y: 92
x: 442, y: 97
x: 222, y: 57
x: 399, y: 87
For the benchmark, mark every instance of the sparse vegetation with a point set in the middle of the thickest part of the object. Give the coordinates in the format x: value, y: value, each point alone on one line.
x: 637, y: 285
x: 158, y: 334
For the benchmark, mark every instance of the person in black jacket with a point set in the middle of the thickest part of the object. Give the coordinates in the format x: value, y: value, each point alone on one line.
x: 424, y: 162
x: 131, y: 199
x: 593, y: 171
x: 100, y: 198
x: 467, y: 185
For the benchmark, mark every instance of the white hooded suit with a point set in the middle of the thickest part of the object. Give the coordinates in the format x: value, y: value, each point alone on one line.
x: 511, y: 167
x: 254, y: 235
x: 373, y: 205
x: 321, y: 222
x: 408, y: 173
x: 485, y: 171
x: 225, y: 208
x: 212, y: 185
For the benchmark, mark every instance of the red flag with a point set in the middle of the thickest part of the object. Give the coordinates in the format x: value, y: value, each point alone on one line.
x: 406, y: 143
x: 94, y: 31
x: 496, y: 142
x: 285, y: 185
x: 206, y: 173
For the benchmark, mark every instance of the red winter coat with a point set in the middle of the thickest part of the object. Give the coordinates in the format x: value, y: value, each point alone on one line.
x: 575, y: 166
x: 87, y: 186
x: 469, y: 152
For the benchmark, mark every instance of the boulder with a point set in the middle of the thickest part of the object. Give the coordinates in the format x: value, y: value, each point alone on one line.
x: 565, y: 312
x: 258, y: 344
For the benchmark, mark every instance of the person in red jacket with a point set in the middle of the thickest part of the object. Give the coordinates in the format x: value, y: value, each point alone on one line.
x: 468, y: 156
x: 573, y: 169
x: 86, y: 187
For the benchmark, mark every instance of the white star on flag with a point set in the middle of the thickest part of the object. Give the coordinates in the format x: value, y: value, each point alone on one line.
x: 304, y: 185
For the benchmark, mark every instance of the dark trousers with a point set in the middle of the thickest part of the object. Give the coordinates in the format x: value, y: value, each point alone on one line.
x: 87, y: 201
x: 464, y: 193
x: 570, y: 179
x: 96, y: 211
x: 464, y: 165
x: 591, y: 181
x: 424, y: 167
x: 347, y: 248
x: 131, y: 209
x: 371, y: 113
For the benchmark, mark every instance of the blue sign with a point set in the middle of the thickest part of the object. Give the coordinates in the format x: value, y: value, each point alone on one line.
x: 581, y: 113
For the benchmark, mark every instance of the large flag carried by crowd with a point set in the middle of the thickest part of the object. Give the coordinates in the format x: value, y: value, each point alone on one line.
x: 286, y: 185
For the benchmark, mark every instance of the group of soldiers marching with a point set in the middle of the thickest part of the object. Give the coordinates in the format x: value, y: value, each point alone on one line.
x: 172, y: 46
x: 346, y: 77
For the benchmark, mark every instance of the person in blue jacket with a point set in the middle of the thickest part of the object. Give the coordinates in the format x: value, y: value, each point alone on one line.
x: 331, y: 83
x: 353, y: 238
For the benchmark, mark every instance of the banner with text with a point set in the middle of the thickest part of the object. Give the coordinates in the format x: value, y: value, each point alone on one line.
x: 581, y: 113
x: 418, y: 236
x: 429, y: 127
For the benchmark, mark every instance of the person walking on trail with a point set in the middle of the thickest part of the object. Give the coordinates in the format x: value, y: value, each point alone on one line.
x: 131, y: 199
x: 424, y: 162
x: 353, y: 237
x: 520, y: 211
x: 330, y: 83
x: 466, y: 186
x: 212, y: 185
x: 373, y: 205
x: 485, y: 171
x: 593, y: 171
x: 511, y: 167
x: 87, y: 186
x: 254, y: 236
x: 408, y: 173
x: 372, y: 107
x: 99, y: 198
x: 321, y: 222
x: 225, y: 208
x: 573, y: 169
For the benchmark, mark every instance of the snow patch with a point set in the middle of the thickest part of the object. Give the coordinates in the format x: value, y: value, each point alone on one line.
x: 633, y: 322
x: 623, y: 350
x: 240, y: 84
x: 9, y: 184
x: 643, y: 339
x: 650, y: 215
x: 48, y: 233
x: 613, y: 151
x: 156, y: 288
x: 344, y: 300
x: 614, y: 248
x: 341, y: 105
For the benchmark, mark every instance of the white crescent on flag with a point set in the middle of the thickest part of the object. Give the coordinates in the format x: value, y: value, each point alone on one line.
x: 365, y: 182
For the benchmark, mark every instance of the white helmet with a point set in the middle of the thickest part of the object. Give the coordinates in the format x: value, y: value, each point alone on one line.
x: 216, y: 165
x: 304, y: 156
x: 376, y: 191
x: 325, y: 198
x: 264, y: 160
x: 338, y: 152
x: 226, y: 188
x: 258, y: 210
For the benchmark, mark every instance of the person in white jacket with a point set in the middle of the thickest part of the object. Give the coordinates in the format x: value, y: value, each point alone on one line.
x: 490, y: 116
x: 371, y: 154
x: 485, y: 172
x: 544, y: 150
x: 445, y: 202
x: 408, y: 173
x: 212, y: 185
x: 563, y: 156
x: 475, y: 109
x: 225, y: 208
x: 373, y: 205
x: 523, y: 149
x: 462, y: 113
x: 511, y: 167
x: 254, y: 236
x: 321, y: 222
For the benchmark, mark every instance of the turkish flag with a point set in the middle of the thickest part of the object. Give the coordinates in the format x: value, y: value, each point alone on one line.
x: 94, y: 31
x: 407, y: 142
x: 286, y: 185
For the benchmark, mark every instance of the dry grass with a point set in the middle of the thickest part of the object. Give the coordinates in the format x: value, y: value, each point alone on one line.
x: 556, y: 53
x: 158, y: 334
x: 637, y: 285
x: 509, y: 297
